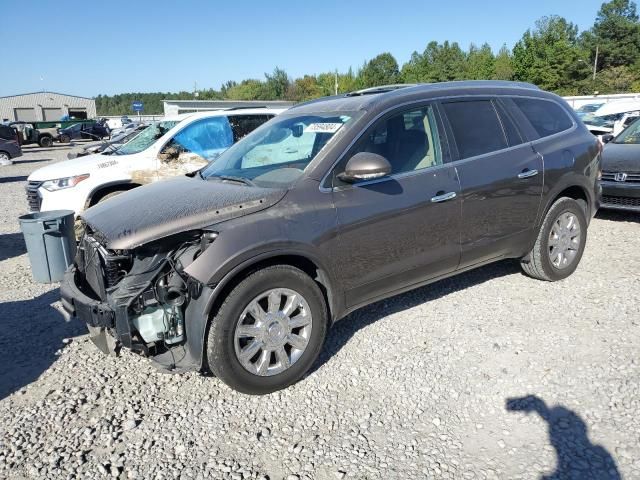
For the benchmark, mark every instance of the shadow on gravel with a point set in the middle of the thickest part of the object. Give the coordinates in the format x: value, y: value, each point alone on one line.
x: 576, y: 456
x: 11, y: 245
x: 22, y: 178
x: 339, y: 335
x: 32, y: 332
x: 618, y: 216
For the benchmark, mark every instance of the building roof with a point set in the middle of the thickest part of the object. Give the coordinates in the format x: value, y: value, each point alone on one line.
x: 45, y: 92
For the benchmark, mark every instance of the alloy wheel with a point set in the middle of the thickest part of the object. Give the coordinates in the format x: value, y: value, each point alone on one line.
x: 564, y: 240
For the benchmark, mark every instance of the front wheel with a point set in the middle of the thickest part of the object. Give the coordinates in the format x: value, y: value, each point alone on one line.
x: 45, y: 142
x: 560, y: 242
x: 64, y: 139
x: 268, y: 331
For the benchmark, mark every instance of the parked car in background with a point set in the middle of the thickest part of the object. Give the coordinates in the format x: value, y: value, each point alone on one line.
x: 85, y: 131
x: 9, y: 145
x: 126, y: 127
x: 621, y: 170
x: 587, y: 109
x: 171, y: 147
x: 335, y: 204
x: 30, y: 133
x: 106, y: 147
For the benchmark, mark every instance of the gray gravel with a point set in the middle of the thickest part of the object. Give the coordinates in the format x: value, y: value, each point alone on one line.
x: 486, y: 375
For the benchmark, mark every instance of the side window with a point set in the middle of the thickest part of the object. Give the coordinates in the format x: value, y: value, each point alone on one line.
x: 7, y: 133
x: 545, y: 116
x: 476, y: 127
x: 408, y: 140
x: 243, y: 125
x: 509, y: 127
x: 206, y: 138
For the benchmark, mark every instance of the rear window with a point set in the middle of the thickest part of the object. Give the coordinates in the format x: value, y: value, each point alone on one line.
x: 476, y: 127
x: 546, y: 117
x: 7, y: 133
x: 243, y: 125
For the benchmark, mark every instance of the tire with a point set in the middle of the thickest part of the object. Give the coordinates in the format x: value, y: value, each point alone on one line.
x: 5, y: 159
x: 45, y: 142
x: 107, y: 196
x: 64, y: 139
x: 223, y: 344
x: 545, y: 261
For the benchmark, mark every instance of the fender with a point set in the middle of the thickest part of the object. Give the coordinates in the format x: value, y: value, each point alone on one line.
x: 200, y: 309
x: 121, y: 182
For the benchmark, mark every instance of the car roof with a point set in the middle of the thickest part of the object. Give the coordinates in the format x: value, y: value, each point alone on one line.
x: 225, y: 111
x: 388, y: 95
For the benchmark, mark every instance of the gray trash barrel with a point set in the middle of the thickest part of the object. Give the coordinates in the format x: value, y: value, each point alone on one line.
x: 51, y: 243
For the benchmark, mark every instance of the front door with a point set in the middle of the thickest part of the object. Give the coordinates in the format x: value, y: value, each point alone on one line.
x: 403, y: 229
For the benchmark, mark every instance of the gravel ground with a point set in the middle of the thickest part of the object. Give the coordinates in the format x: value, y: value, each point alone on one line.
x: 486, y: 375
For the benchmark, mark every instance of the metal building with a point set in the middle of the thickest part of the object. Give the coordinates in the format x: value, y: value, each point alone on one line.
x: 45, y: 106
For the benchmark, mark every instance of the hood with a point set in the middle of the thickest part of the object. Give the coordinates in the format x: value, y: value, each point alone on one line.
x: 621, y: 157
x: 172, y: 206
x: 68, y: 168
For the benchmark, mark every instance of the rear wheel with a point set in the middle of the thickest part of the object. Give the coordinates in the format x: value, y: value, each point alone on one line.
x: 5, y: 159
x: 45, y: 141
x: 268, y: 331
x: 560, y: 242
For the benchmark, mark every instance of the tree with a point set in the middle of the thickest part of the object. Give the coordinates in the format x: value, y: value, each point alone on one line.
x: 246, y: 90
x: 276, y: 85
x: 616, y: 33
x: 381, y: 70
x: 503, y: 65
x: 549, y: 56
x: 480, y: 63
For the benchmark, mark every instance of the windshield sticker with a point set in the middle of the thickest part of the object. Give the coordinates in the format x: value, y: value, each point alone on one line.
x: 323, y: 128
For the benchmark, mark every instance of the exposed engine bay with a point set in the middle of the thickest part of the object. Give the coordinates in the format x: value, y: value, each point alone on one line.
x: 139, y: 297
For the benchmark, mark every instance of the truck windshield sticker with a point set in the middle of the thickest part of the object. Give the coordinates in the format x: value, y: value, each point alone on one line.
x: 323, y: 128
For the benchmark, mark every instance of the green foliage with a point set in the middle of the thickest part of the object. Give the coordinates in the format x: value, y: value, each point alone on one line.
x: 549, y: 56
x: 552, y: 55
x: 381, y: 70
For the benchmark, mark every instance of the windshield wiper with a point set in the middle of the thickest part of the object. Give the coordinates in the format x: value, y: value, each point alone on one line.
x: 231, y: 178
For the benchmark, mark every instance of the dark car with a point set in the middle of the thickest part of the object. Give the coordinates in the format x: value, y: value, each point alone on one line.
x: 90, y: 131
x: 621, y: 170
x: 9, y: 145
x: 107, y: 146
x: 334, y: 204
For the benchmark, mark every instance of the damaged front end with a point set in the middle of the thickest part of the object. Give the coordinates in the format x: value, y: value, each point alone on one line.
x: 136, y: 299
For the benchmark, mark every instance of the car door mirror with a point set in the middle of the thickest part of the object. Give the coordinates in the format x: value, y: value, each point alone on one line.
x: 607, y: 138
x: 365, y: 166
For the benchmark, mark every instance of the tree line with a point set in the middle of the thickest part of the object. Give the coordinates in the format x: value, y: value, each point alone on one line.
x: 554, y: 55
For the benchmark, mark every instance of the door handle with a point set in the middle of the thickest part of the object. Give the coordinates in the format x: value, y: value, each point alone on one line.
x: 528, y: 173
x: 443, y: 197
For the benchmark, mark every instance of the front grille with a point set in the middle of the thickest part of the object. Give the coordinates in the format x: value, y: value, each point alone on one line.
x: 100, y: 268
x: 611, y: 177
x: 620, y: 201
x: 33, y: 197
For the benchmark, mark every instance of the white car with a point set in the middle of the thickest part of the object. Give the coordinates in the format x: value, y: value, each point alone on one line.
x: 173, y: 146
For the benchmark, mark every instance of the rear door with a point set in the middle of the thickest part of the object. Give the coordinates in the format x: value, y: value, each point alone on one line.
x: 501, y: 177
x: 400, y: 230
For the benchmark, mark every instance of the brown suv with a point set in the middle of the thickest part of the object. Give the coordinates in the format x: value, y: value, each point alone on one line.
x: 334, y: 204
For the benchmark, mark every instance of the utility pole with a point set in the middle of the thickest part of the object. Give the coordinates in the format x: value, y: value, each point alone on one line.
x: 595, y: 64
x: 336, y: 81
x: 195, y: 89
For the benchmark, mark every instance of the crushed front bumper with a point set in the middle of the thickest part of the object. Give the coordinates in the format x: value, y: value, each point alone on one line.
x: 99, y: 317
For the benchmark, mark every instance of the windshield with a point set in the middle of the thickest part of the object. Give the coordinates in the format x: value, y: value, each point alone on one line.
x: 146, y: 138
x: 277, y: 153
x: 630, y: 135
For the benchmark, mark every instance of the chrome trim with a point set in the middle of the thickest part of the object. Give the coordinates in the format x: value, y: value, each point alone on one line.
x: 444, y: 197
x: 528, y: 174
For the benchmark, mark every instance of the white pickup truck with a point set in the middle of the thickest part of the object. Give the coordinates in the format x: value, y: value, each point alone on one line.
x: 173, y: 146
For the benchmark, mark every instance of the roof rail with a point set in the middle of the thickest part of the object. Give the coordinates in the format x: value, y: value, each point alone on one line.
x: 243, y: 107
x: 380, y: 89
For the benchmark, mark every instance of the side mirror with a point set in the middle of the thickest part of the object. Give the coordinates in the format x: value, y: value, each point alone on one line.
x: 607, y: 138
x: 365, y: 166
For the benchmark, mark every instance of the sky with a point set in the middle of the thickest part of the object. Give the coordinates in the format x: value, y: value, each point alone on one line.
x: 88, y: 48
